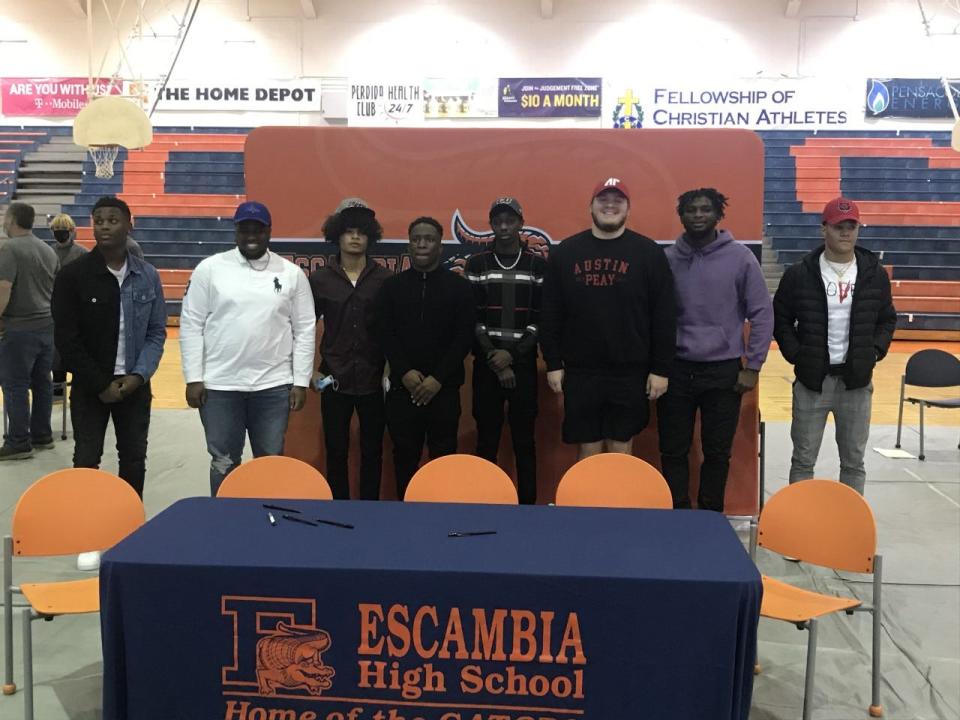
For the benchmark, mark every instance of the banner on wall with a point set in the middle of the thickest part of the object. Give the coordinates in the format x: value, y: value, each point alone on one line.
x: 50, y: 96
x: 747, y: 104
x: 460, y: 98
x: 910, y: 98
x: 385, y: 103
x: 264, y: 96
x: 550, y: 97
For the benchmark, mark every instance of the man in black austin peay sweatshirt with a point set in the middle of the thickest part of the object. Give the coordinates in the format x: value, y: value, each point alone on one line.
x: 425, y: 319
x: 607, y: 326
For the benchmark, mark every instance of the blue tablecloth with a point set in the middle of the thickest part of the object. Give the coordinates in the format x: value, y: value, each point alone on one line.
x: 210, y: 612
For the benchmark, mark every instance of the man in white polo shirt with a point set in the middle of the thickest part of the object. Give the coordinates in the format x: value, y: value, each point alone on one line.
x: 247, y: 330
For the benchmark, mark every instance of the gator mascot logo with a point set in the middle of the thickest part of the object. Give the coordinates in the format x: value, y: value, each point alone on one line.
x: 290, y: 658
x: 538, y: 241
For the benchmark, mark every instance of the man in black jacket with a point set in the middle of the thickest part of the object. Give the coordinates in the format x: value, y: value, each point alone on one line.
x: 425, y: 320
x: 834, y: 319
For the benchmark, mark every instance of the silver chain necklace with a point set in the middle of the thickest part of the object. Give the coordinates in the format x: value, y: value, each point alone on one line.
x: 512, y: 265
x: 254, y: 267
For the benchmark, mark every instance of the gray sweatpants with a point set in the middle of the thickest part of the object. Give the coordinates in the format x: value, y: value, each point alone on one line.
x: 851, y: 414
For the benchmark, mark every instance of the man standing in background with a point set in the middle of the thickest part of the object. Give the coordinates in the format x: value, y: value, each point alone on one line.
x: 27, y: 269
x: 719, y: 286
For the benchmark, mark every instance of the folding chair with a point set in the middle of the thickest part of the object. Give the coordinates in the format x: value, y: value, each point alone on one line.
x: 614, y: 480
x: 275, y: 477
x: 63, y: 513
x: 929, y: 369
x: 826, y: 523
x: 461, y: 479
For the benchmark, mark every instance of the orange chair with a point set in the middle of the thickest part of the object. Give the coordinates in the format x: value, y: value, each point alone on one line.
x: 826, y: 523
x: 63, y: 513
x: 275, y: 477
x: 461, y: 479
x: 614, y: 480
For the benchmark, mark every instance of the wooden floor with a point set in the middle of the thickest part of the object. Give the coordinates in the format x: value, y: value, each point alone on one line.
x: 775, y: 385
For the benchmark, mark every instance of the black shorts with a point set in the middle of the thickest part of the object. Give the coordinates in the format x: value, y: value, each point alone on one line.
x: 604, y: 407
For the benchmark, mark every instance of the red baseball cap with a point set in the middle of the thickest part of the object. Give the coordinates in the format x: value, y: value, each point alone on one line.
x: 840, y: 209
x: 611, y: 184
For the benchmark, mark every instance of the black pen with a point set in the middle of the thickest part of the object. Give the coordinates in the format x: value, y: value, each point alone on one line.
x: 475, y: 533
x: 281, y: 508
x: 334, y: 523
x: 294, y: 518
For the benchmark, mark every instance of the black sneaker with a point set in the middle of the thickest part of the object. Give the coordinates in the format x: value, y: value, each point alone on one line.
x: 44, y: 444
x: 12, y: 453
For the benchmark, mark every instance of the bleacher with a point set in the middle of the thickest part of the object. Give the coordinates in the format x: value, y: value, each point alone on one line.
x: 184, y: 187
x: 907, y: 185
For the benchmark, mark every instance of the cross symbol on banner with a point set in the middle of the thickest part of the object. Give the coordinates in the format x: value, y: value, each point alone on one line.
x: 628, y: 100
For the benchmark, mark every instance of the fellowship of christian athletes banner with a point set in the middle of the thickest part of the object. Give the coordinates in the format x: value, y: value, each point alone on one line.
x: 50, y: 96
x: 550, y: 97
x: 910, y: 97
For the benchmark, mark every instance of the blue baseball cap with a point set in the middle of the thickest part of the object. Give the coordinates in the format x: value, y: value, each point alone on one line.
x: 251, y: 210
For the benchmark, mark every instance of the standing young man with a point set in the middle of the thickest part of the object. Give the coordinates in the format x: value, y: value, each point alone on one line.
x: 718, y: 286
x: 343, y: 293
x: 64, y: 231
x: 607, y: 326
x: 27, y: 269
x: 834, y: 320
x: 425, y: 320
x: 247, y: 331
x: 507, y: 282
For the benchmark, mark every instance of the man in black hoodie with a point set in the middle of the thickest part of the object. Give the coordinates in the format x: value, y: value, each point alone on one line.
x: 425, y: 319
x: 608, y: 326
x: 834, y: 320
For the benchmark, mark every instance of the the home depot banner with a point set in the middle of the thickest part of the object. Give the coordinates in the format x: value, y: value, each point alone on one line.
x: 301, y: 95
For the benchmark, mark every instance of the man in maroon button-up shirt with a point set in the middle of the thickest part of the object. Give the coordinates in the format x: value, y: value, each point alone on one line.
x: 344, y: 293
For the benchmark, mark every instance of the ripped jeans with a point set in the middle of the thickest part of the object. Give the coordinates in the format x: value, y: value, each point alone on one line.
x: 228, y: 416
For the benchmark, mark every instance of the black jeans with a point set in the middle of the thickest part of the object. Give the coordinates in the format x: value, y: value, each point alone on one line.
x: 409, y: 425
x: 131, y: 422
x: 488, y: 400
x: 337, y: 411
x: 708, y: 387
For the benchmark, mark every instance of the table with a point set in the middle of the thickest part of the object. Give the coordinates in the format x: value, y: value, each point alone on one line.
x: 210, y: 611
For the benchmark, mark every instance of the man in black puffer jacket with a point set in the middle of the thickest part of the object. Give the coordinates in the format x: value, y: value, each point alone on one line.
x: 834, y: 319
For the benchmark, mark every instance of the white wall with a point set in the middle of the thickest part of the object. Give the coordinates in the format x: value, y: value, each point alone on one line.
x: 695, y: 40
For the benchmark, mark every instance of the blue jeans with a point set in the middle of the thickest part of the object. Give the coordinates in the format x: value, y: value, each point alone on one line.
x: 26, y: 360
x: 229, y: 415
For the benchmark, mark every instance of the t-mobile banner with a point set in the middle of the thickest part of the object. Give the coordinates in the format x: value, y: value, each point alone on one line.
x: 52, y: 96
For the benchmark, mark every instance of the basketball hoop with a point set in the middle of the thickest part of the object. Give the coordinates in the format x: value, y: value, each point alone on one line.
x: 108, y: 123
x: 103, y: 157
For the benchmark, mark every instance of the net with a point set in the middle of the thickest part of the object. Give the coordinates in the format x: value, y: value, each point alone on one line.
x: 103, y: 157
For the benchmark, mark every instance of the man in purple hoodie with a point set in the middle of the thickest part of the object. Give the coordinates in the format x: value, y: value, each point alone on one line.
x: 718, y: 285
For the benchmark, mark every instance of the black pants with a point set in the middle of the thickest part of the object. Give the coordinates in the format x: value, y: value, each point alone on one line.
x: 131, y: 422
x: 337, y: 411
x: 488, y: 400
x: 708, y: 387
x: 409, y: 425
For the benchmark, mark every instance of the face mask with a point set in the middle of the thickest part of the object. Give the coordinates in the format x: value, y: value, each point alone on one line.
x: 61, y: 235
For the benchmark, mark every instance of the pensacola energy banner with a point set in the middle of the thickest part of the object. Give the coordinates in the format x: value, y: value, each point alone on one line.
x: 50, y: 96
x: 910, y: 97
x: 301, y: 95
x: 550, y: 97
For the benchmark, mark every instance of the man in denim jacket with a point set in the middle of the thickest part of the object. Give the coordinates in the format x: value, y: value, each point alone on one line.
x: 109, y: 327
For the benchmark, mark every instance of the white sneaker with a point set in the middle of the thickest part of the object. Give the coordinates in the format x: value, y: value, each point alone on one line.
x: 89, y: 561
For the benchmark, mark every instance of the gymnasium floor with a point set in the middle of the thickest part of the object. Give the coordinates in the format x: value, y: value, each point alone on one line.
x: 917, y: 505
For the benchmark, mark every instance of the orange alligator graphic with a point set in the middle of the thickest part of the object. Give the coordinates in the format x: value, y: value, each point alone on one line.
x: 290, y: 658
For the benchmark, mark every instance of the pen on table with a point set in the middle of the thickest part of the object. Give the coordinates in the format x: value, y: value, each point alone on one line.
x: 474, y: 533
x: 347, y: 526
x: 281, y: 508
x: 294, y: 518
x: 271, y: 518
